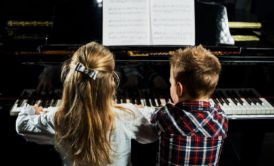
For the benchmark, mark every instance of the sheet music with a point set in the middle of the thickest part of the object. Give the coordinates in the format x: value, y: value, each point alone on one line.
x: 172, y: 22
x: 148, y: 22
x: 125, y: 22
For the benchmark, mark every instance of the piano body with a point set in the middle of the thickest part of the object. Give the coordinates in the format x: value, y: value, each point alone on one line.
x: 245, y: 90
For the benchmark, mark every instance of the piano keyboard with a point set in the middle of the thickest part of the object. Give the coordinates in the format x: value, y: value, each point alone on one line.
x: 243, y: 104
x: 237, y: 103
x: 31, y: 97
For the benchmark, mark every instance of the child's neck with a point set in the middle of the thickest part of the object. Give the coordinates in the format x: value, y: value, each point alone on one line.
x: 204, y: 98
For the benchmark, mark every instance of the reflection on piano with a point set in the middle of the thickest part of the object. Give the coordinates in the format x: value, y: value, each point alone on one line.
x: 237, y: 103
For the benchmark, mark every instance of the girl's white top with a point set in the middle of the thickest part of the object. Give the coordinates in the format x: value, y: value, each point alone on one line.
x: 40, y: 129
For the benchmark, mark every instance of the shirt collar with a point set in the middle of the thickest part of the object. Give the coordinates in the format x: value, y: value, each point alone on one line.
x: 194, y: 105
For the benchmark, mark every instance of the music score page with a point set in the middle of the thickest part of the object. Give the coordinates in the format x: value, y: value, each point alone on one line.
x: 148, y: 22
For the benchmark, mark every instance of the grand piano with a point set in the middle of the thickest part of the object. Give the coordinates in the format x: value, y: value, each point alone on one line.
x: 38, y: 36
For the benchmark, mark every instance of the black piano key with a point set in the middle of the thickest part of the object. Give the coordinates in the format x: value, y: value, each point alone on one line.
x: 25, y: 95
x: 136, y: 98
x: 118, y: 97
x: 152, y: 97
x: 124, y: 98
x: 33, y: 98
x: 237, y: 97
x: 53, y: 102
x: 255, y: 97
x: 132, y: 100
x: 148, y: 103
x: 221, y: 101
x: 245, y: 96
x: 57, y: 96
x: 251, y: 97
x: 232, y: 96
x: 156, y: 98
x: 142, y: 97
x: 38, y: 102
x: 224, y: 97
x: 215, y: 101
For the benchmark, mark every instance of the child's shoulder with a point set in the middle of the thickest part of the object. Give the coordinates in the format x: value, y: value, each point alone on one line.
x: 168, y: 106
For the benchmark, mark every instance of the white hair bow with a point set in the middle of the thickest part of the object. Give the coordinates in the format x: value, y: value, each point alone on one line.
x: 89, y: 72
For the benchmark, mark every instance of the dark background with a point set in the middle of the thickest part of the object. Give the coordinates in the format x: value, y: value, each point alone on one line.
x: 79, y: 21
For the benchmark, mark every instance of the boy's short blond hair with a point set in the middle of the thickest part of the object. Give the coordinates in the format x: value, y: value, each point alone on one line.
x: 197, y: 69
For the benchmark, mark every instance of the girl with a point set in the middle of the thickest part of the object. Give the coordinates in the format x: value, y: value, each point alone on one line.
x: 88, y: 128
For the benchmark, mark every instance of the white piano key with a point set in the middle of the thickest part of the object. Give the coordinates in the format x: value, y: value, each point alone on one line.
x: 163, y: 101
x: 156, y: 102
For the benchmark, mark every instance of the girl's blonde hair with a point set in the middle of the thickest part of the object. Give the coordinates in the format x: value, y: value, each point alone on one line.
x: 84, y: 120
x: 197, y: 69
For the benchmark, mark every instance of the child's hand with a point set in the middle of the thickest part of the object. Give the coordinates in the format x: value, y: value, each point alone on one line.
x: 139, y: 106
x: 38, y: 109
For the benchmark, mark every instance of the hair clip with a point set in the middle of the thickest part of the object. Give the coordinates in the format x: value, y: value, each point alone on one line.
x: 89, y: 72
x: 116, y: 79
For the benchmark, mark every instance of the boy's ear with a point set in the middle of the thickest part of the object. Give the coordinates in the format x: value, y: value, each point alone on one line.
x: 179, y: 89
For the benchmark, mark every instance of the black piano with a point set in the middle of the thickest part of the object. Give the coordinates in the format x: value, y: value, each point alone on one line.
x: 39, y: 36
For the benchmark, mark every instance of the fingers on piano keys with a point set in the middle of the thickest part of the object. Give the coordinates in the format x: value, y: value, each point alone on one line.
x: 143, y: 97
x: 32, y: 97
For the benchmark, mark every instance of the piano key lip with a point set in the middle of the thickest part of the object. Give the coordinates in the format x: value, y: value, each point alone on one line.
x: 248, y: 117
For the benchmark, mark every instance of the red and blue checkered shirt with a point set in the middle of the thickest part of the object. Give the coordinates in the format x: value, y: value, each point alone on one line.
x: 191, y: 133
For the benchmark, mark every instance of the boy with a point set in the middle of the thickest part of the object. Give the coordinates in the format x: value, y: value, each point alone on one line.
x: 191, y: 130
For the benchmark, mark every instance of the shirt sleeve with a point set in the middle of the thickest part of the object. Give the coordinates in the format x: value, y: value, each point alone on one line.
x: 138, y: 124
x: 154, y: 117
x: 36, y: 128
x: 156, y: 120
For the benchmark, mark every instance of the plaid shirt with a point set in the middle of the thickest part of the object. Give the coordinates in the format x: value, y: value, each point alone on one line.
x: 191, y: 133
